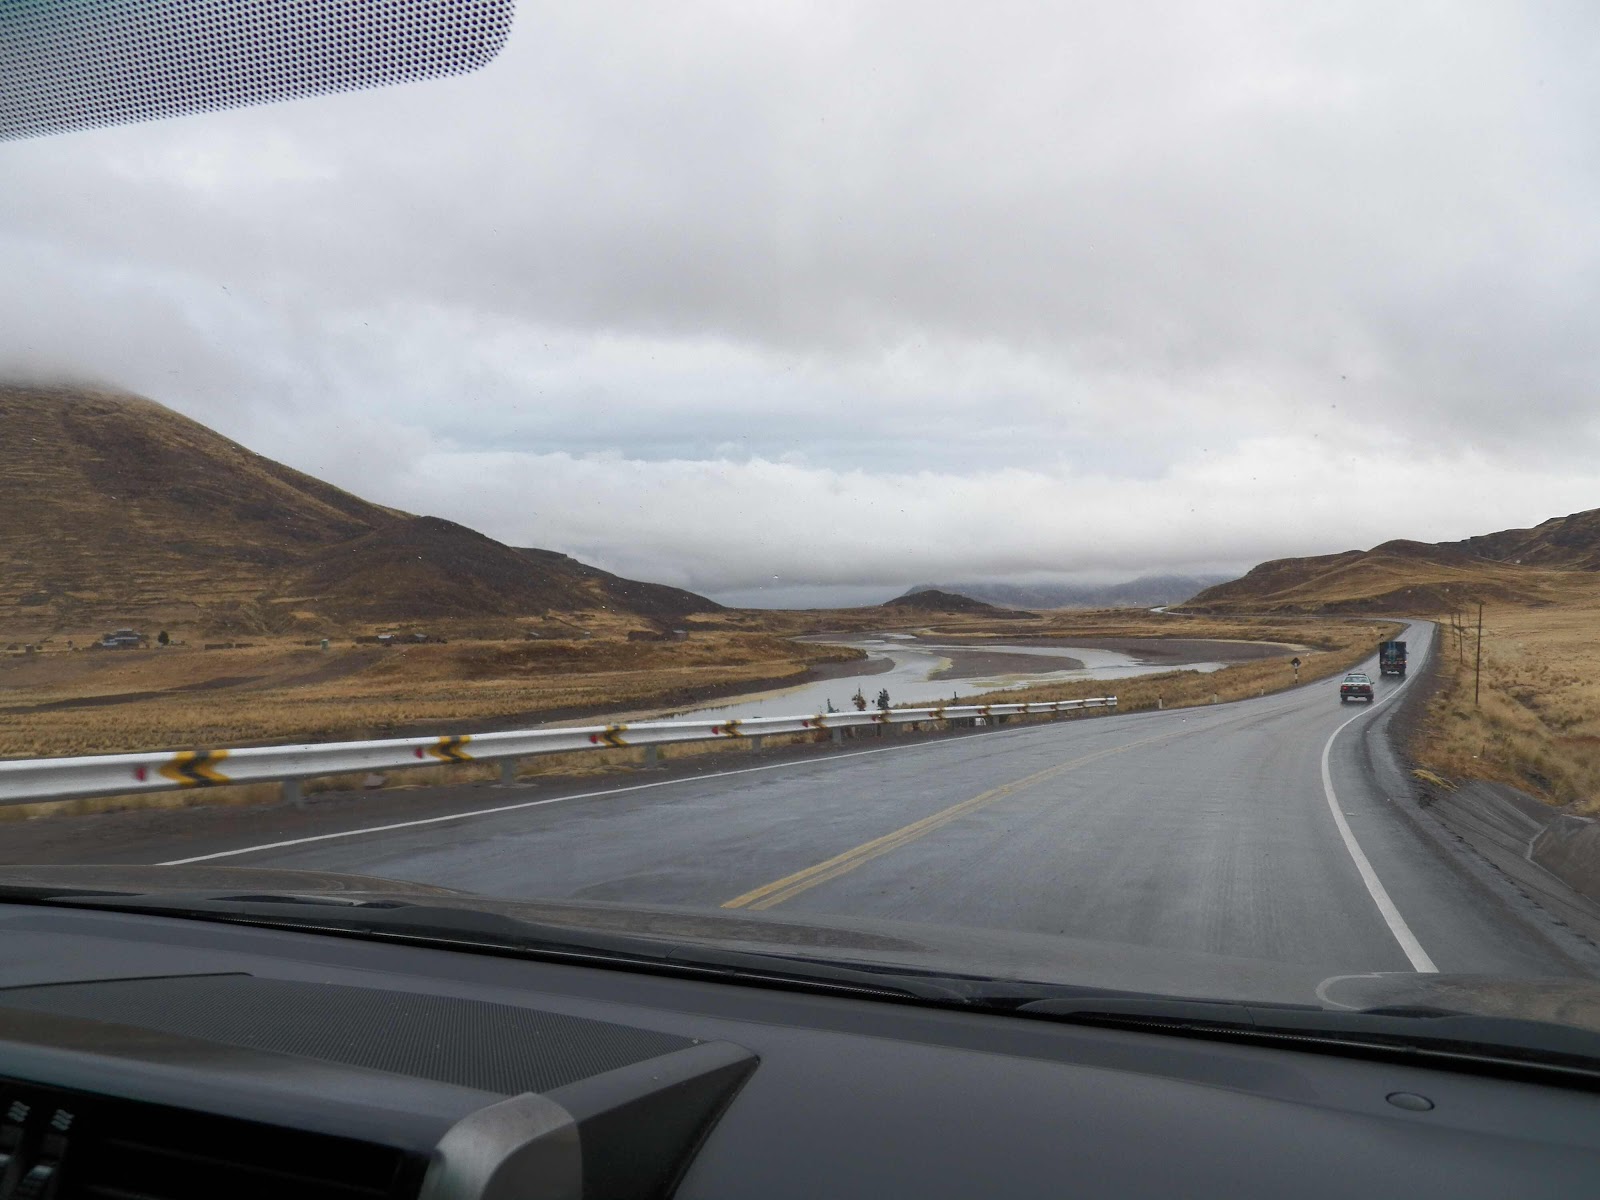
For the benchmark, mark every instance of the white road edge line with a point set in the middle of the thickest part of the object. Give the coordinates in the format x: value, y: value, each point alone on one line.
x: 502, y: 808
x: 1420, y: 962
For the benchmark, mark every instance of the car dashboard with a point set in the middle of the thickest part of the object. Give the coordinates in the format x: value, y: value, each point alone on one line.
x: 151, y: 1057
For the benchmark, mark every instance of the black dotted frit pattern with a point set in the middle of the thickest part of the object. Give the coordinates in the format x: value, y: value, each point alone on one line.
x: 77, y: 64
x: 471, y: 1043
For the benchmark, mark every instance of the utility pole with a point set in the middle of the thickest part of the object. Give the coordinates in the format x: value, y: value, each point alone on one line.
x: 1477, y: 678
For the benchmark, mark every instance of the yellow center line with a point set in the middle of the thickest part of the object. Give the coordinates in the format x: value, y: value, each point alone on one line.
x: 790, y: 886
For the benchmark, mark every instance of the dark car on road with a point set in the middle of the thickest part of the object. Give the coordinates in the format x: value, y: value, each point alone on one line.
x: 1356, y: 686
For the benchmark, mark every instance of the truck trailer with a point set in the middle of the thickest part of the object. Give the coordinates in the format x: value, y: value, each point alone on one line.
x: 1392, y: 658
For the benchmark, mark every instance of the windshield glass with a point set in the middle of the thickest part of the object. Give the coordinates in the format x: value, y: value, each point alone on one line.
x: 897, y: 485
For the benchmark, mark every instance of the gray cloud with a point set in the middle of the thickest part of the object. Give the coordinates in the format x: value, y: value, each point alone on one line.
x: 865, y: 294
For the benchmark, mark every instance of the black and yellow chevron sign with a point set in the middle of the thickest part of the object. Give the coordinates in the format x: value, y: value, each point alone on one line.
x: 448, y: 748
x: 611, y: 735
x: 728, y: 729
x: 195, y: 768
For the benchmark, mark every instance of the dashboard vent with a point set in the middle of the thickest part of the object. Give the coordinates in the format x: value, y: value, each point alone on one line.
x: 84, y: 1147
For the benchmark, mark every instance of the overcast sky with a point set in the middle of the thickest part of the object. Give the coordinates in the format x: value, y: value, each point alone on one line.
x: 812, y: 301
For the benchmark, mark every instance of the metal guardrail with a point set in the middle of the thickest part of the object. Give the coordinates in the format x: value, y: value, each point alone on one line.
x: 36, y: 780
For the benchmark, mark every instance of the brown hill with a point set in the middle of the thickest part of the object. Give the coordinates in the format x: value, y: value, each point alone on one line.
x: 1535, y: 565
x: 1564, y: 543
x: 656, y: 600
x: 934, y: 600
x: 114, y: 508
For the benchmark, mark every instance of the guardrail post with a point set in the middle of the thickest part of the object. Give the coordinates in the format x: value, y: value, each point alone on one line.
x: 508, y: 772
x: 837, y: 736
x: 756, y: 742
x: 652, y: 757
x: 291, y: 793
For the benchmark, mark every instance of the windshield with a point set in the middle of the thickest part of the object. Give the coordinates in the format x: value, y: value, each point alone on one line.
x: 890, y: 485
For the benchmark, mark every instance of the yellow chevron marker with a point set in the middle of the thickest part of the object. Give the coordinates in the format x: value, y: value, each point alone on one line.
x: 820, y: 721
x: 611, y: 735
x: 196, y: 768
x: 728, y: 728
x: 449, y: 748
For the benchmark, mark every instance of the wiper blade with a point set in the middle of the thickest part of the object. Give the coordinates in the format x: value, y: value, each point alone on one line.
x: 1441, y: 1037
x: 465, y: 928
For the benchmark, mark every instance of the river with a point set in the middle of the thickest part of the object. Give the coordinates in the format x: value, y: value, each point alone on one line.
x: 923, y: 672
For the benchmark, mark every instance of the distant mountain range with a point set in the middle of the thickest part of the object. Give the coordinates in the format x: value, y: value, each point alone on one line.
x: 1148, y: 591
x: 116, y: 509
x: 1525, y: 565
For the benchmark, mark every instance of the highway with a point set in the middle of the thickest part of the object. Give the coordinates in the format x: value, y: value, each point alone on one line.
x: 1254, y: 830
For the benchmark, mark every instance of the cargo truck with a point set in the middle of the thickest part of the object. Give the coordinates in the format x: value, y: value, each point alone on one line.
x: 1392, y: 658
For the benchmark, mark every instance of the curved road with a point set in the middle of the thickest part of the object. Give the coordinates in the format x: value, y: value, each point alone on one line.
x: 1254, y: 830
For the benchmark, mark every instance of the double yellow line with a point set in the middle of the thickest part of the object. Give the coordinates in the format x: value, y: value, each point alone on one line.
x: 790, y: 886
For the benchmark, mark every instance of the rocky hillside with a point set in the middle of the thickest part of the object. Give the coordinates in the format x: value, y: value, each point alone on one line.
x: 116, y: 509
x: 1515, y: 565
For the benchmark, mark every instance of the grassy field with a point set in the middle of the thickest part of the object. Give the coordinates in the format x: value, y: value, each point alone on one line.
x: 1141, y: 623
x: 60, y: 702
x: 102, y: 702
x: 1536, y: 721
x: 1332, y: 645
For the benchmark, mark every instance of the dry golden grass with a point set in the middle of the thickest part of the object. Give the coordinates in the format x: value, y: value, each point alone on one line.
x: 284, y: 692
x: 1335, y: 647
x: 275, y: 691
x: 1141, y: 623
x: 238, y: 794
x: 1536, y: 724
x: 115, y: 510
x: 1395, y: 578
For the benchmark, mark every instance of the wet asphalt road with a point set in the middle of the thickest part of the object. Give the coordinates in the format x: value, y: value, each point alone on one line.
x: 1203, y: 831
